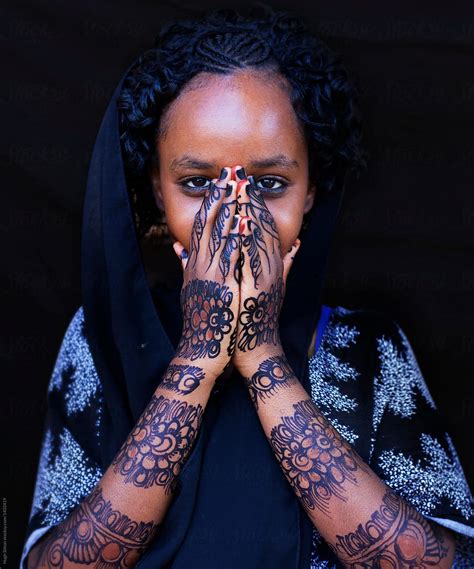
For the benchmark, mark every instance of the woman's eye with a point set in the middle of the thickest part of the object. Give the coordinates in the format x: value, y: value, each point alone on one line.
x: 196, y: 184
x: 271, y: 185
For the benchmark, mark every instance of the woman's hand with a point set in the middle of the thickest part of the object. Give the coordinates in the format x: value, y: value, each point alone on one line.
x: 263, y: 279
x: 210, y: 293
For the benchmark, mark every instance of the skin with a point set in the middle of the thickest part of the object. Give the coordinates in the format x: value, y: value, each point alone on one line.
x: 240, y: 119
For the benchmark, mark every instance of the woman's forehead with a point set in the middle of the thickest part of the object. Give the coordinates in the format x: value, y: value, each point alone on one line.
x: 243, y: 102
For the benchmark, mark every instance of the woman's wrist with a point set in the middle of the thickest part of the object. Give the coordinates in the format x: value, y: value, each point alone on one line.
x: 184, y: 375
x: 250, y: 362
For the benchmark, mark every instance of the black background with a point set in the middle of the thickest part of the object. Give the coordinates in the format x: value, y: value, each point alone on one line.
x: 403, y: 244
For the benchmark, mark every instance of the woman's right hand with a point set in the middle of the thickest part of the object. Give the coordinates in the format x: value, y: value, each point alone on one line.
x: 210, y: 293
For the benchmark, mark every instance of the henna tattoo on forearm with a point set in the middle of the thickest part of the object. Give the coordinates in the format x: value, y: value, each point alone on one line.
x: 316, y: 461
x: 182, y: 378
x: 259, y: 318
x: 395, y: 536
x: 207, y: 318
x: 273, y: 373
x: 96, y: 535
x: 155, y: 450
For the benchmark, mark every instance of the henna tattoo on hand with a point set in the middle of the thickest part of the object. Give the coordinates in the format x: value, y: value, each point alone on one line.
x: 200, y: 220
x: 232, y: 243
x: 159, y: 444
x: 253, y: 242
x: 259, y: 318
x: 395, y: 536
x: 207, y: 318
x: 217, y: 236
x: 232, y: 343
x: 96, y: 534
x: 273, y: 373
x: 182, y: 378
x: 260, y: 211
x: 315, y: 460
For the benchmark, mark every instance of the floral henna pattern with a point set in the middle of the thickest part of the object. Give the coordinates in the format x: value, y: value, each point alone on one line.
x: 97, y: 535
x: 315, y: 460
x: 207, y: 318
x: 395, y: 536
x: 158, y: 445
x: 272, y: 374
x: 259, y: 318
x: 182, y: 378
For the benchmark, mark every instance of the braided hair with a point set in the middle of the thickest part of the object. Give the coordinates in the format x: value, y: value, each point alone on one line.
x: 223, y: 41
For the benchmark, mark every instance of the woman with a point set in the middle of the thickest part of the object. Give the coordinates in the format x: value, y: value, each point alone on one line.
x: 220, y: 416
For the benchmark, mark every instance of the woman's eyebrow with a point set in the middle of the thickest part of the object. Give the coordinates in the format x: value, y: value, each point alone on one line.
x: 195, y: 163
x: 278, y: 160
x: 187, y: 161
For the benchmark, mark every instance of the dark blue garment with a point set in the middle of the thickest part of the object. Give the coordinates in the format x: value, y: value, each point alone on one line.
x: 132, y: 349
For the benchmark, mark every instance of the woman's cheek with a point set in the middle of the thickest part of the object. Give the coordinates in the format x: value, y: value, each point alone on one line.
x: 288, y: 221
x: 180, y: 218
x: 181, y: 228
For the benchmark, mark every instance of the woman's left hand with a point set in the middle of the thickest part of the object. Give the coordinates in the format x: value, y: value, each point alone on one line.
x: 263, y: 280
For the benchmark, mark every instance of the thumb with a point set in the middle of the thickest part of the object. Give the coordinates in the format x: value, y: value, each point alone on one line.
x: 288, y: 259
x: 181, y: 253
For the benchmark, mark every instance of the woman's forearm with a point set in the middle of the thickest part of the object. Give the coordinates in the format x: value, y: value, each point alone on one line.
x: 117, y: 520
x: 364, y: 522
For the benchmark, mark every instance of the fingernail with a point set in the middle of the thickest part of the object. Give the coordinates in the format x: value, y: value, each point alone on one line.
x: 253, y: 183
x: 235, y: 220
x: 228, y: 190
x: 223, y: 174
x: 240, y: 173
x: 243, y: 221
x: 184, y: 254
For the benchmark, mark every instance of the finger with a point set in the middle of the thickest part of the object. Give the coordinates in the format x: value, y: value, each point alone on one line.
x: 267, y: 222
x: 231, y: 255
x: 251, y: 263
x: 258, y: 239
x: 219, y: 190
x: 181, y: 253
x: 238, y: 172
x: 288, y: 259
x: 206, y: 214
x: 221, y: 227
x: 227, y: 231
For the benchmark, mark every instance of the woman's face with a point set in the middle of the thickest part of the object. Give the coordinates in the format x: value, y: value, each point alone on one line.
x: 241, y: 119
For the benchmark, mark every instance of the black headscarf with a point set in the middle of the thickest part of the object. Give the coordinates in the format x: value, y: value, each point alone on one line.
x: 233, y: 507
